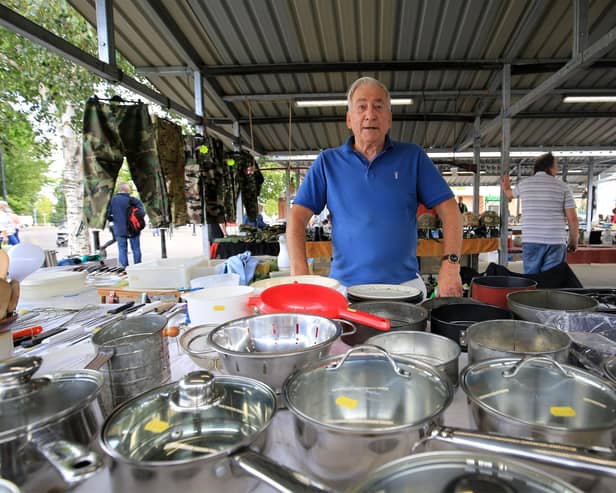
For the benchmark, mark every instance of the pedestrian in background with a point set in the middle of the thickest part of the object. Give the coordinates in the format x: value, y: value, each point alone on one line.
x: 118, y: 214
x: 462, y: 205
x: 7, y: 224
x: 547, y: 209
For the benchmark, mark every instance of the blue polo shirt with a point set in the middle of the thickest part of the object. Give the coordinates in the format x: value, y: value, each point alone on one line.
x: 373, y: 208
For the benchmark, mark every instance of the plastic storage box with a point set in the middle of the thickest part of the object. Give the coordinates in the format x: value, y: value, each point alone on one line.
x: 172, y: 273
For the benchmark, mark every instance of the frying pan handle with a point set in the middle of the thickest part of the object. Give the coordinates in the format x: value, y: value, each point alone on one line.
x: 257, y: 303
x: 365, y: 318
x: 595, y: 461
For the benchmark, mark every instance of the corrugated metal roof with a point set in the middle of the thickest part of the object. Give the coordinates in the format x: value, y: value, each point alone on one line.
x: 242, y: 34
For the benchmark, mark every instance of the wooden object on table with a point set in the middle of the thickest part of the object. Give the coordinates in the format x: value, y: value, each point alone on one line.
x: 134, y: 294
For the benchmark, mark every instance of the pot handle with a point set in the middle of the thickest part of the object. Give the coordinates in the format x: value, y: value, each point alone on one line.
x: 365, y: 318
x: 374, y: 349
x: 596, y: 461
x: 277, y: 476
x: 75, y: 463
x: 104, y: 354
x: 513, y: 371
x: 344, y: 322
x: 463, y: 341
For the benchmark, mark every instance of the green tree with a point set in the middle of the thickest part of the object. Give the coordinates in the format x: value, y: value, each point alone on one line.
x: 58, y: 214
x: 44, y: 209
x: 274, y: 186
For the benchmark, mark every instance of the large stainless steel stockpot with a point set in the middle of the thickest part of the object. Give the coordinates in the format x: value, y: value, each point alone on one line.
x: 355, y: 412
x: 450, y: 472
x: 538, y: 398
x: 438, y: 351
x: 515, y: 339
x: 46, y: 425
x: 197, y: 435
x: 542, y: 304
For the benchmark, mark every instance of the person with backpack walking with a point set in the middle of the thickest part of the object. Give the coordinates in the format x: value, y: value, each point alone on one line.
x: 127, y: 214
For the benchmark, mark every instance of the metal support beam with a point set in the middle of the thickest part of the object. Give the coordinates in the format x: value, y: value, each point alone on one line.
x: 477, y: 161
x: 198, y: 89
x: 105, y: 30
x: 564, y: 166
x: 503, y: 253
x: 596, y: 50
x: 590, y: 197
x: 580, y: 28
x: 173, y: 34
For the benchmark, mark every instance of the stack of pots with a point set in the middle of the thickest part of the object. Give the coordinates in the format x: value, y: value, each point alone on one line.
x: 493, y: 290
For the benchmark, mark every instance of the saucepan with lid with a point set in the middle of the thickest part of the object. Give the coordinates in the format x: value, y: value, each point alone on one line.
x: 47, y: 424
x: 201, y: 434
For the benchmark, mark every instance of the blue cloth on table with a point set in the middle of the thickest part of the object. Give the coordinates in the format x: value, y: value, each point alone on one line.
x: 242, y: 264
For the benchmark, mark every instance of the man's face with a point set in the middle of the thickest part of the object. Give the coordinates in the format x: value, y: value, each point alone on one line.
x: 369, y: 117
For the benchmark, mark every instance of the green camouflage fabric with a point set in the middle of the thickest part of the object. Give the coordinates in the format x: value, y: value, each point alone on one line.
x: 213, y: 172
x: 170, y: 147
x: 110, y: 133
x: 231, y: 190
x: 247, y: 179
x: 192, y: 184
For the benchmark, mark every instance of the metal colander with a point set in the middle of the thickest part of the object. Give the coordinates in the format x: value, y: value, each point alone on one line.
x: 271, y: 347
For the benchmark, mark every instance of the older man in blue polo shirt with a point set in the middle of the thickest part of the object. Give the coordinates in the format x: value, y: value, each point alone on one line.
x: 372, y: 186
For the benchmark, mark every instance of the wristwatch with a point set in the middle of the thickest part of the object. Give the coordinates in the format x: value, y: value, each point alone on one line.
x: 452, y: 258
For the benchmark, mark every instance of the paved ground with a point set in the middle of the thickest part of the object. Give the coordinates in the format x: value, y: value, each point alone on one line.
x: 182, y: 243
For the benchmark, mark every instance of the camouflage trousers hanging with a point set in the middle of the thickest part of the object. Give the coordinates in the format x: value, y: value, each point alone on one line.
x: 170, y: 147
x: 250, y: 180
x: 110, y: 133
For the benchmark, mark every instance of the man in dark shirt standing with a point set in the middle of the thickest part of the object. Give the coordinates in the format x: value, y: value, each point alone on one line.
x: 118, y: 213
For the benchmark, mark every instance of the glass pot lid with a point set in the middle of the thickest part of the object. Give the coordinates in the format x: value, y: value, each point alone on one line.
x: 368, y: 390
x: 542, y: 392
x: 198, y: 416
x: 449, y: 472
x: 27, y: 403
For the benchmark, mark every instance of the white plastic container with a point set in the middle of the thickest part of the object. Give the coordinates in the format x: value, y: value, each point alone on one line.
x: 216, y: 281
x: 49, y: 283
x: 218, y: 305
x: 207, y: 267
x: 168, y: 273
x: 263, y: 284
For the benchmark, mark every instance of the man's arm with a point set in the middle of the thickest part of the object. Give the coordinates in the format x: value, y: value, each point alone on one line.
x: 223, y: 228
x: 296, y: 238
x: 574, y: 226
x: 449, y: 282
x: 506, y: 184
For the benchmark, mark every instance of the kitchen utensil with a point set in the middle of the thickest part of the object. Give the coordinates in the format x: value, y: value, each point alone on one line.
x: 121, y: 308
x: 25, y: 259
x: 401, y: 316
x: 270, y: 347
x: 609, y: 369
x: 315, y: 300
x: 438, y: 351
x: 515, y: 338
x: 218, y: 305
x: 47, y: 423
x: 539, y: 305
x: 201, y: 434
x: 453, y: 471
x: 194, y: 343
x: 538, y: 398
x: 133, y: 354
x: 453, y: 320
x: 384, y: 292
x: 493, y: 290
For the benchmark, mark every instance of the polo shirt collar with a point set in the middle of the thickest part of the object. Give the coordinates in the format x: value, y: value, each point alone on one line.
x: 348, y: 145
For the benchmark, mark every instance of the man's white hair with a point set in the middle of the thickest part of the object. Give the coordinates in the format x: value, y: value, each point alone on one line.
x: 123, y: 188
x: 367, y: 81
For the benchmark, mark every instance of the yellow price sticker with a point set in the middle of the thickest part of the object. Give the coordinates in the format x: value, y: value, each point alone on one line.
x: 562, y: 411
x: 204, y: 149
x: 156, y: 426
x: 344, y: 401
x: 218, y: 308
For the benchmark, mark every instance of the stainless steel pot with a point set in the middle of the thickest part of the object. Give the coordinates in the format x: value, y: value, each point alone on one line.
x: 133, y: 354
x: 47, y: 424
x: 538, y: 398
x: 438, y: 351
x: 402, y: 316
x: 198, y: 435
x: 353, y: 412
x: 271, y: 347
x: 449, y: 472
x: 515, y: 338
x: 541, y: 304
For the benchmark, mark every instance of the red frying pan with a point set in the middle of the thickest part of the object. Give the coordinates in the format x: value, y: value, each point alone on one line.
x: 313, y: 299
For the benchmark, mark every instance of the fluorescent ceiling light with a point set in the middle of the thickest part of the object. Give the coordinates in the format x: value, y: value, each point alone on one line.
x: 312, y: 103
x: 589, y: 99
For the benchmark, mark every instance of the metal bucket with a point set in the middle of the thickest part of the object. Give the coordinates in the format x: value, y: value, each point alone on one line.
x: 133, y: 354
